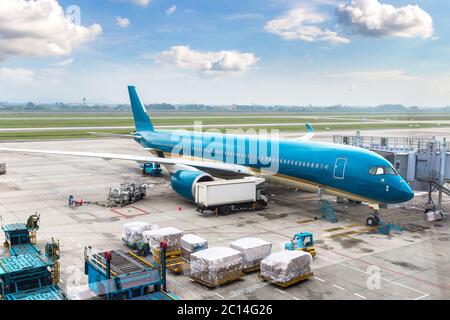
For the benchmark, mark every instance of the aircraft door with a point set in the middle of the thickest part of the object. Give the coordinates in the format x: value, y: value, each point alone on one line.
x: 339, y: 168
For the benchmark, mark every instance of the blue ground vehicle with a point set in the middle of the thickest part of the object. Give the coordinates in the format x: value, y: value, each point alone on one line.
x: 303, y: 241
x: 151, y: 169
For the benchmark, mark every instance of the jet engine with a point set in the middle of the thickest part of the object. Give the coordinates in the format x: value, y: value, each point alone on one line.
x: 184, y: 181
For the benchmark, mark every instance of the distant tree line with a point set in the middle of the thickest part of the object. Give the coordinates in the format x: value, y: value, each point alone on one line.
x: 65, y: 107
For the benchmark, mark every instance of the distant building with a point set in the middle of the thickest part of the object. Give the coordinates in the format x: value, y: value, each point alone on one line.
x: 233, y: 107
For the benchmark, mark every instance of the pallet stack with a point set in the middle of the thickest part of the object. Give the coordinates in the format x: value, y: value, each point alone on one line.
x: 253, y: 250
x: 286, y: 268
x: 216, y: 266
x: 191, y: 243
x: 133, y: 232
x: 172, y: 236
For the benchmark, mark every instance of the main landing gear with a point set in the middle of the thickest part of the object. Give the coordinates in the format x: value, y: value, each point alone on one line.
x: 374, y: 219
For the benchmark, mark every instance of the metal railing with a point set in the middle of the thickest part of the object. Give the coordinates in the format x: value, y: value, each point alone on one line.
x: 419, y: 145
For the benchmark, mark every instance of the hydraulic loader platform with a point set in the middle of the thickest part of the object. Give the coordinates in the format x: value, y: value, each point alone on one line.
x: 122, y: 275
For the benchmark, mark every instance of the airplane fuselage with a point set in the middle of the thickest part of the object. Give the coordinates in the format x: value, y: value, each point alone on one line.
x: 339, y: 170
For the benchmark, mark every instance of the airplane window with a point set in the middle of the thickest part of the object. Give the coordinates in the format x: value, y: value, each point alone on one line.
x: 377, y: 171
x: 390, y: 171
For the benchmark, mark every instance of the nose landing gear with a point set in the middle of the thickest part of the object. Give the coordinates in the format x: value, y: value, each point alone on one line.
x: 374, y: 219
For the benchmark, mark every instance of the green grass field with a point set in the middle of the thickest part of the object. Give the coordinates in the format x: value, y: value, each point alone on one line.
x: 175, y: 121
x: 321, y: 122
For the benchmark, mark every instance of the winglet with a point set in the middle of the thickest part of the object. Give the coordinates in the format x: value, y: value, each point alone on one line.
x: 310, y: 133
x: 141, y: 119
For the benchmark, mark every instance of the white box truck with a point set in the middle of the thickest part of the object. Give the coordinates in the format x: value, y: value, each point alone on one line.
x: 226, y: 196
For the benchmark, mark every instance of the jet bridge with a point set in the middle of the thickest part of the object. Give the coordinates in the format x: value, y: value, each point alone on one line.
x: 423, y: 162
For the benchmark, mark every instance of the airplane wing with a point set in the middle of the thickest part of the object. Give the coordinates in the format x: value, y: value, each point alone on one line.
x: 116, y: 135
x: 309, y: 133
x: 230, y: 168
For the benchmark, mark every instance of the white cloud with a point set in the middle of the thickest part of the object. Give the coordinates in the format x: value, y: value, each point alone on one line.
x: 171, y: 10
x: 123, y: 22
x: 64, y: 63
x: 16, y: 76
x: 207, y: 62
x: 142, y: 3
x: 40, y: 28
x: 371, y: 18
x: 303, y: 24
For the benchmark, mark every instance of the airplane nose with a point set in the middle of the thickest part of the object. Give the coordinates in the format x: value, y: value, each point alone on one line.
x: 406, y: 193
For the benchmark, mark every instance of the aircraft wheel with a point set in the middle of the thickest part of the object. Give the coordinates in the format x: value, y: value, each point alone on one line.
x: 372, y: 221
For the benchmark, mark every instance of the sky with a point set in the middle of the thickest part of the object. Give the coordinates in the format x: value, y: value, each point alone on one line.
x: 270, y: 52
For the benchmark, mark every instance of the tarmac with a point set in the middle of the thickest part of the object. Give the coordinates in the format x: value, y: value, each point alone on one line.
x: 353, y: 261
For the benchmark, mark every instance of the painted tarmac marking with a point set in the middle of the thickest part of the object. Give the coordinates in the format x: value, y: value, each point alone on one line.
x: 354, y: 225
x: 321, y: 280
x: 280, y: 291
x: 338, y: 235
x: 306, y: 221
x: 334, y: 229
x: 445, y: 287
x: 219, y: 295
x: 421, y: 297
x: 350, y: 233
x: 358, y: 295
x: 340, y: 288
x: 374, y: 276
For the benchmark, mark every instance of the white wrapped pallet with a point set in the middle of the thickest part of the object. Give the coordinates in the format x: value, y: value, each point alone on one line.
x: 133, y: 231
x: 191, y: 243
x: 215, y: 266
x: 253, y: 251
x: 285, y: 266
x: 171, y: 235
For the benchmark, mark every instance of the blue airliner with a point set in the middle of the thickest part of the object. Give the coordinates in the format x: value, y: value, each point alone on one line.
x: 344, y: 171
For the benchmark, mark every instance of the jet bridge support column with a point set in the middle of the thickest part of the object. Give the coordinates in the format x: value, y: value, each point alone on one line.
x: 443, y: 156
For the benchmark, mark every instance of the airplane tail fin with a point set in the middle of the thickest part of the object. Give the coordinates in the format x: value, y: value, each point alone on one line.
x: 142, y: 121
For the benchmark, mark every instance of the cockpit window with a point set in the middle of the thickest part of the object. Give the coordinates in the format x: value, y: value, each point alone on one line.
x: 377, y: 171
x: 390, y: 170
